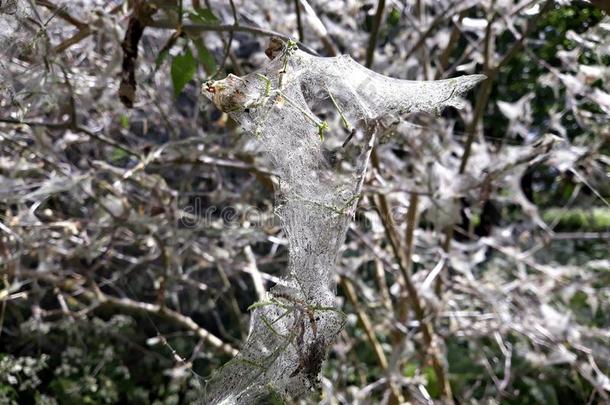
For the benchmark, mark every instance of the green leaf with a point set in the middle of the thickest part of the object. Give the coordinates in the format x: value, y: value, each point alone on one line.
x: 394, y: 17
x: 203, y: 16
x: 124, y: 121
x: 410, y: 369
x: 117, y: 154
x: 160, y: 58
x: 183, y: 69
x: 432, y: 386
x: 205, y: 56
x: 165, y: 50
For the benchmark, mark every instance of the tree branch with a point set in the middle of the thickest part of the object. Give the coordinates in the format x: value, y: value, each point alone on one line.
x: 491, y: 72
x: 77, y: 128
x: 370, y: 51
x: 76, y: 285
x: 198, y: 28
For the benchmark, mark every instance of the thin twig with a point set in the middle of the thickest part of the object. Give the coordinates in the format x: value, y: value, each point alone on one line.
x: 370, y: 51
x: 429, y: 338
x: 297, y: 8
x: 228, y: 43
x: 318, y: 27
x: 64, y: 15
x: 77, y: 128
x: 73, y: 40
x: 442, y: 16
x: 197, y: 28
x: 491, y: 72
x: 350, y: 292
x: 127, y: 304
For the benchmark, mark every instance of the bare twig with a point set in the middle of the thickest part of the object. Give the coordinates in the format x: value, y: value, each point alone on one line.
x: 197, y: 28
x: 370, y: 51
x: 350, y: 292
x: 60, y: 11
x: 297, y: 9
x: 429, y: 338
x: 228, y: 43
x: 491, y: 72
x: 126, y: 304
x: 73, y: 40
x: 68, y: 125
x: 318, y: 27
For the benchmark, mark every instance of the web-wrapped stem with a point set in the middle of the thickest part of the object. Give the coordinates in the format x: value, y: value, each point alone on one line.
x: 292, y: 331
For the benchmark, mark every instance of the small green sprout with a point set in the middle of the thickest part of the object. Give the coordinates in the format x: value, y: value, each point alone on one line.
x: 267, y: 84
x: 322, y: 126
x: 344, y: 120
x: 291, y: 46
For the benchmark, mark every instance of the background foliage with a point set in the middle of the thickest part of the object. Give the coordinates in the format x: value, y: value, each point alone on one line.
x: 132, y: 239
